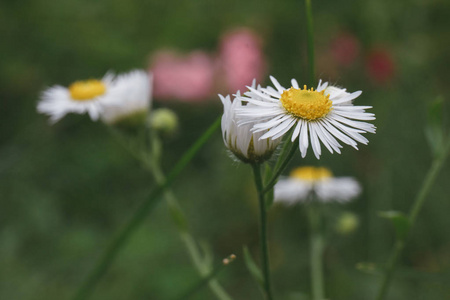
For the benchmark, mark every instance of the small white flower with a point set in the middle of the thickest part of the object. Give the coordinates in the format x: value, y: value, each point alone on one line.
x: 132, y: 92
x: 80, y: 97
x: 326, y: 115
x: 306, y: 182
x: 244, y: 144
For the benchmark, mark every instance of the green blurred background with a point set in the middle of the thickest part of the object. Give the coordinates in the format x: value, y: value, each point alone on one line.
x: 66, y: 189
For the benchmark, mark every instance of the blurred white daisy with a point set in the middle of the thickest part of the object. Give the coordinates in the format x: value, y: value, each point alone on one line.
x: 240, y: 140
x: 325, y: 114
x: 306, y: 183
x: 80, y: 97
x: 132, y: 92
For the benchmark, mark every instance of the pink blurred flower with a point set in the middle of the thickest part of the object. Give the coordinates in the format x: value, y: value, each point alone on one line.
x: 241, y: 59
x: 186, y: 78
x: 345, y: 48
x: 380, y: 65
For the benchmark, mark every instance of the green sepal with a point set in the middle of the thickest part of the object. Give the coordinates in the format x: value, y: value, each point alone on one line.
x: 131, y: 122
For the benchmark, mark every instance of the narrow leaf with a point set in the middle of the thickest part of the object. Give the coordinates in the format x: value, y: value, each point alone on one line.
x: 253, y: 268
x: 399, y: 220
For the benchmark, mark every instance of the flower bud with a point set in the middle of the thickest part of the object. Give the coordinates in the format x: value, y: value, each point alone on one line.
x: 164, y: 120
x: 347, y: 223
x: 242, y: 142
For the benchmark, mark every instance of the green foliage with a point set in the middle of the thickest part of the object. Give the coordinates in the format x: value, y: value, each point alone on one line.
x: 253, y: 268
x: 400, y: 222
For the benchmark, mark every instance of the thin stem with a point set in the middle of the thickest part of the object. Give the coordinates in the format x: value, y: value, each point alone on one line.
x: 428, y: 183
x: 316, y: 252
x: 310, y: 41
x: 417, y: 206
x: 141, y: 212
x: 263, y: 231
x: 283, y: 166
x: 181, y: 222
x: 392, y: 263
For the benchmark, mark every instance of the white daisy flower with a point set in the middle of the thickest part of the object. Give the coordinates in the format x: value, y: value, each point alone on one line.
x: 325, y: 114
x: 306, y: 181
x: 244, y: 144
x: 133, y: 94
x: 80, y: 97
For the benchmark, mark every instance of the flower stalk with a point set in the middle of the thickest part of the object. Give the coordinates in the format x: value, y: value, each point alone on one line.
x: 123, y: 235
x: 263, y: 231
x: 201, y: 264
x: 317, y: 244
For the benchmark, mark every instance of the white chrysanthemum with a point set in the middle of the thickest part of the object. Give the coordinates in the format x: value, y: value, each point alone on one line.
x: 245, y: 145
x: 326, y: 115
x: 133, y: 94
x: 80, y: 97
x: 304, y: 182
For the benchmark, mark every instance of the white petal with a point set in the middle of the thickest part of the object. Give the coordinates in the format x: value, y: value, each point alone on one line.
x: 296, y: 131
x: 277, y: 84
x: 303, y: 142
x: 322, y: 137
x: 339, y: 135
x: 283, y: 128
x: 314, y: 140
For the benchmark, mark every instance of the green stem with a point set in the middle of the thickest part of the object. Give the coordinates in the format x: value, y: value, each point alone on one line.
x: 436, y: 166
x: 310, y: 42
x: 141, y: 212
x: 280, y: 169
x: 263, y: 231
x: 181, y: 222
x: 316, y: 252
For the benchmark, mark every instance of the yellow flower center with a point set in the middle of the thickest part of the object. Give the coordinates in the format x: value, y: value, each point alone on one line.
x: 87, y: 89
x: 306, y: 104
x: 311, y: 173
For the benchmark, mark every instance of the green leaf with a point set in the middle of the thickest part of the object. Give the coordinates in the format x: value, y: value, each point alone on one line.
x: 434, y: 130
x: 253, y: 268
x: 399, y: 220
